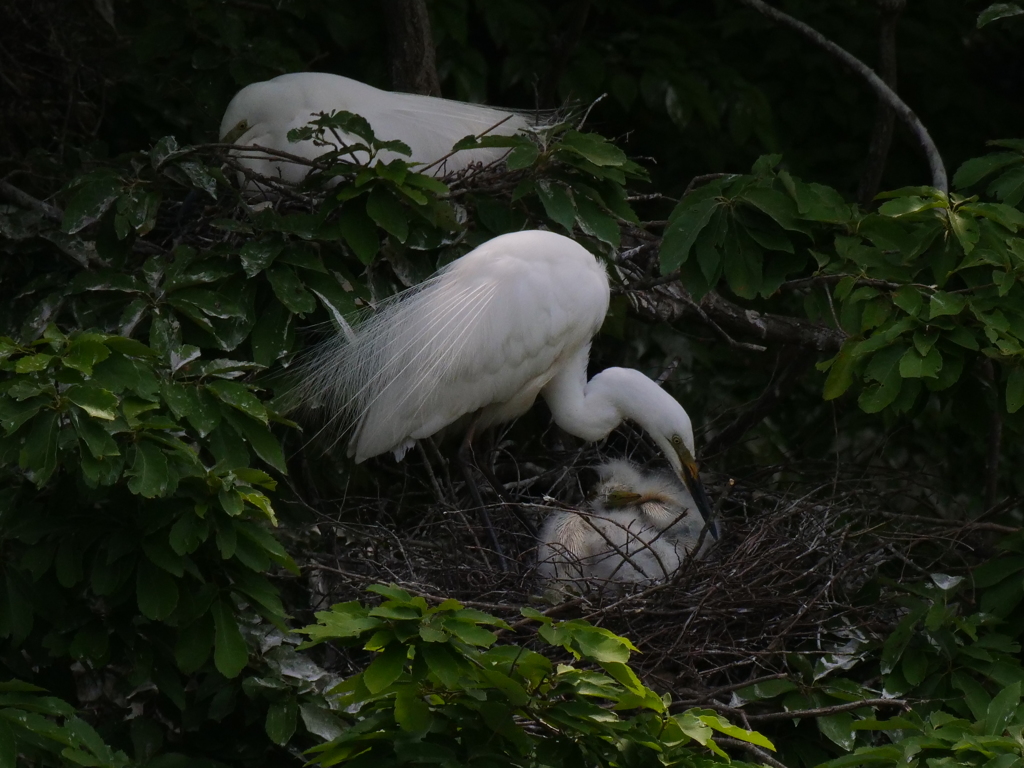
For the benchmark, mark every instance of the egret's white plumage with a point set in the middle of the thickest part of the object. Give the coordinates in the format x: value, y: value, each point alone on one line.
x: 261, y: 114
x: 478, y: 342
x: 639, y: 529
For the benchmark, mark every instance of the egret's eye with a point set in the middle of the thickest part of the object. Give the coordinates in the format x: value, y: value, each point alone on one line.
x: 677, y: 440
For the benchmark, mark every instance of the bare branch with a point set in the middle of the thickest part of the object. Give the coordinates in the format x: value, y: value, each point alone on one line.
x: 884, y: 92
x: 820, y: 711
x: 753, y: 749
x: 672, y: 302
x: 25, y: 200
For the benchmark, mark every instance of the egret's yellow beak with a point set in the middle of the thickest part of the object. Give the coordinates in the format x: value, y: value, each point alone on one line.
x: 696, y: 488
x: 235, y: 133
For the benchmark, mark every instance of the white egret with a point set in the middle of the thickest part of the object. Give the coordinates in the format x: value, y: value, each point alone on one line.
x: 261, y: 114
x: 477, y: 343
x: 639, y: 530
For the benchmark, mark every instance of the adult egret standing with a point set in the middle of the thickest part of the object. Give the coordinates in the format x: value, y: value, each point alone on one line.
x: 261, y: 114
x: 477, y: 343
x: 639, y: 529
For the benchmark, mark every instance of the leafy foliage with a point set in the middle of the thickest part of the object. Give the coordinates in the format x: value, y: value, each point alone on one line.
x: 141, y: 456
x: 441, y: 689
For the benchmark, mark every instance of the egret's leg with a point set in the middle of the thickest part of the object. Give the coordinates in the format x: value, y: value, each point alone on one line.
x: 464, y: 458
x: 499, y: 490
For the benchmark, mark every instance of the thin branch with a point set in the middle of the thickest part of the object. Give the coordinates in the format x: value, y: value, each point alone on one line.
x: 669, y: 303
x: 25, y: 200
x: 883, y: 91
x: 753, y: 749
x: 820, y: 711
x: 776, y: 391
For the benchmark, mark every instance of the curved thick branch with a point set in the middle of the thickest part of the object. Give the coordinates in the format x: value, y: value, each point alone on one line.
x: 884, y: 92
x: 668, y: 303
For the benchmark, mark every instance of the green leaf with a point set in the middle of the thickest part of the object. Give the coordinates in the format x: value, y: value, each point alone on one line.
x: 998, y: 11
x: 840, y: 374
x: 558, y: 204
x: 386, y: 668
x: 273, y: 335
x: 97, y: 402
x: 682, y: 232
x: 442, y: 661
x: 1015, y: 390
x: 965, y: 227
x: 412, y: 713
x: 883, y: 368
x: 39, y: 455
x: 909, y: 299
x: 281, y: 719
x: 1001, y: 709
x: 32, y: 363
x: 258, y: 436
x: 903, y: 206
x: 779, y: 206
x: 229, y: 652
x: 594, y: 221
x: 914, y: 365
x: 838, y: 729
x: 149, y: 473
x: 359, y: 232
x: 594, y: 148
x: 97, y: 440
x: 90, y: 202
x: 943, y: 303
x: 83, y: 354
x: 290, y: 291
x: 257, y: 255
x: 156, y: 591
x: 200, y: 177
x: 522, y: 156
x: 977, y: 168
x: 13, y: 414
x: 388, y: 213
x: 8, y: 747
x: 238, y: 396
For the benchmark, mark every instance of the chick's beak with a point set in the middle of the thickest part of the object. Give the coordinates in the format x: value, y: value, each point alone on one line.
x: 696, y: 488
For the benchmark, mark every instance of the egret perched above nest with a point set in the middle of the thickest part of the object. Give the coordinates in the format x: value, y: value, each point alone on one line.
x: 262, y: 114
x: 639, y: 530
x: 476, y: 344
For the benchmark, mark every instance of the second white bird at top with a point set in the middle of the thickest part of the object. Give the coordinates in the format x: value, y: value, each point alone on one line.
x: 262, y: 114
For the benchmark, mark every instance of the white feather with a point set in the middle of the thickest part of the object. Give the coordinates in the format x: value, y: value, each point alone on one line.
x: 265, y: 112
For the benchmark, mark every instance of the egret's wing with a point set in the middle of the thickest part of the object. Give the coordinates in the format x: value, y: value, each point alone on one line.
x: 492, y: 327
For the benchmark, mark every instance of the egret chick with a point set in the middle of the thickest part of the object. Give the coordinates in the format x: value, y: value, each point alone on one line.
x: 639, y: 530
x: 261, y: 114
x: 476, y: 344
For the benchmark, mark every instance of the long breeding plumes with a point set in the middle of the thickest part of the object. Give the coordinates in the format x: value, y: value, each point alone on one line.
x: 262, y: 114
x: 394, y: 364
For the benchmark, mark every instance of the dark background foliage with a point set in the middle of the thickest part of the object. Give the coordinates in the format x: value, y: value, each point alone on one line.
x: 143, y: 578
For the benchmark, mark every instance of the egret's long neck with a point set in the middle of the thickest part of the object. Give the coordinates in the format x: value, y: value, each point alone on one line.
x: 592, y: 409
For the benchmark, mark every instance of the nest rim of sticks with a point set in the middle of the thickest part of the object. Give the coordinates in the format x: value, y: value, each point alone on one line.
x: 793, y: 573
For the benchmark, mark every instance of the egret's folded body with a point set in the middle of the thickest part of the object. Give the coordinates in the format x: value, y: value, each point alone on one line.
x: 429, y: 126
x: 478, y: 342
x: 485, y: 336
